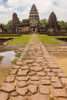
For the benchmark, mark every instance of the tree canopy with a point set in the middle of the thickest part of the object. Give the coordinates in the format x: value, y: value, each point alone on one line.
x: 62, y: 24
x: 7, y: 26
x: 44, y: 22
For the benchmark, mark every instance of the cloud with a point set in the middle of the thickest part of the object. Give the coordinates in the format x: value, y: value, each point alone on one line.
x: 0, y: 0
x: 4, y: 9
x: 22, y: 8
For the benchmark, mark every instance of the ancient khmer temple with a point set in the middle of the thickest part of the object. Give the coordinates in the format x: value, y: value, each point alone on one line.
x: 33, y: 25
x: 27, y: 25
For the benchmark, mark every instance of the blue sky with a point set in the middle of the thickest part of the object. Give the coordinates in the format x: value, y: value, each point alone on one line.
x: 22, y: 8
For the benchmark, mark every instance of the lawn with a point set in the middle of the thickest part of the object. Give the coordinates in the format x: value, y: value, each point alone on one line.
x: 21, y: 39
x: 59, y: 36
x: 8, y: 37
x: 48, y: 39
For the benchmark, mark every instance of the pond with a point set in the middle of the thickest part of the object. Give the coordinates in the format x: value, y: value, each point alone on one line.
x: 4, y: 40
x: 63, y: 39
x: 8, y: 57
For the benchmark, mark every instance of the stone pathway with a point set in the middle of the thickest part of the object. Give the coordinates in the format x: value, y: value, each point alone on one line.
x: 35, y: 76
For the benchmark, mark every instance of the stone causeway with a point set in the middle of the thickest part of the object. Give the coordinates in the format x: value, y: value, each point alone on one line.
x: 35, y: 76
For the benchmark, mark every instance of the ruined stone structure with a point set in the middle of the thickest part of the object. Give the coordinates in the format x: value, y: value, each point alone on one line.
x: 52, y: 26
x: 14, y: 27
x: 27, y: 25
x: 33, y: 25
x: 34, y: 19
x: 52, y: 21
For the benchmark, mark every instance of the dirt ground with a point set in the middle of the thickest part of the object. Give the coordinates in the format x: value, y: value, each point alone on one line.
x: 3, y: 73
x: 59, y: 54
x: 61, y: 60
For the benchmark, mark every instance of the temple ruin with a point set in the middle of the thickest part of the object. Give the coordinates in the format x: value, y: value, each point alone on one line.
x: 14, y: 27
x: 52, y: 26
x: 33, y: 25
x: 27, y: 25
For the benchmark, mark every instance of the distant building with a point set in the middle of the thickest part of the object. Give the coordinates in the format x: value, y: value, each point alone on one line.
x: 27, y: 25
x: 33, y: 25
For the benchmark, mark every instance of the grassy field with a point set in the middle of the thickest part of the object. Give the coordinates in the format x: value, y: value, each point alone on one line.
x: 22, y: 39
x: 59, y: 36
x: 8, y: 37
x: 48, y: 39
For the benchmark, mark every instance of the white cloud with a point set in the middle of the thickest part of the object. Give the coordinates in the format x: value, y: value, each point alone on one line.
x: 1, y: 0
x: 45, y: 7
x: 4, y: 18
x: 4, y: 9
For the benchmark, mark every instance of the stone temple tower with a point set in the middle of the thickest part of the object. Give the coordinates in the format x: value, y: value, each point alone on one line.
x: 52, y: 22
x: 34, y: 18
x: 52, y: 26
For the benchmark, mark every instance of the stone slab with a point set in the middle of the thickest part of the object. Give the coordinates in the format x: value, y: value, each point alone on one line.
x: 22, y: 78
x: 4, y: 96
x: 38, y: 97
x: 45, y: 82
x: 23, y: 72
x: 10, y: 79
x: 44, y: 90
x: 7, y: 87
x: 18, y: 98
x: 59, y: 93
x: 32, y: 89
x: 64, y: 81
x: 22, y: 84
x: 22, y: 91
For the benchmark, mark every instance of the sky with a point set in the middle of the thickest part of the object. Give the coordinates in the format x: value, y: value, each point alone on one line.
x: 22, y: 8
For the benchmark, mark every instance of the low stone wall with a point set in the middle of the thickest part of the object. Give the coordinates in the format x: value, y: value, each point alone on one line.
x: 54, y: 32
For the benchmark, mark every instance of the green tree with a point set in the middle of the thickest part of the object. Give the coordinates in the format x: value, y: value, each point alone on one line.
x: 62, y: 24
x: 44, y: 22
x: 7, y: 26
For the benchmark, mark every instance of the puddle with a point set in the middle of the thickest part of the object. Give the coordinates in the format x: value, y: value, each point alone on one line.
x: 63, y: 39
x: 8, y: 57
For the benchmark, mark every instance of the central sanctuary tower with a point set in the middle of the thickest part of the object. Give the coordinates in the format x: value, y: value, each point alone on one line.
x: 34, y: 18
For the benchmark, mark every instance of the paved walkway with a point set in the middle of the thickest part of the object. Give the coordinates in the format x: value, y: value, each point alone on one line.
x: 35, y: 76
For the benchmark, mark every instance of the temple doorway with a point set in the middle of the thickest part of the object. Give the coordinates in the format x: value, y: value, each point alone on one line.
x: 33, y: 29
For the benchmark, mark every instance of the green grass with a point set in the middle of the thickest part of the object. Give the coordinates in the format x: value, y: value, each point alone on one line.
x: 21, y: 39
x: 48, y: 39
x: 3, y: 48
x: 59, y: 36
x: 7, y: 37
x: 14, y: 61
x: 18, y: 54
x: 5, y: 74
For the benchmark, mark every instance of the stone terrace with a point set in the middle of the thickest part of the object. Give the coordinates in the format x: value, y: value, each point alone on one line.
x: 35, y: 76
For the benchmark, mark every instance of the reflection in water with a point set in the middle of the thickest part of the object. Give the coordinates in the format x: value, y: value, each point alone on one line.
x: 8, y: 57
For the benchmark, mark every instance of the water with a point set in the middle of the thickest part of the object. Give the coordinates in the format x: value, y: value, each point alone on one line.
x: 8, y: 57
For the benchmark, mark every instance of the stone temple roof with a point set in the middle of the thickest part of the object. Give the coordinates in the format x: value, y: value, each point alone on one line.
x: 25, y: 22
x: 33, y: 11
x: 52, y: 19
x: 34, y: 16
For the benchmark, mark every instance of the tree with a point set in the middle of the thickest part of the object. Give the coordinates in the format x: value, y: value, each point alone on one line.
x: 7, y: 26
x: 62, y: 24
x: 44, y: 22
